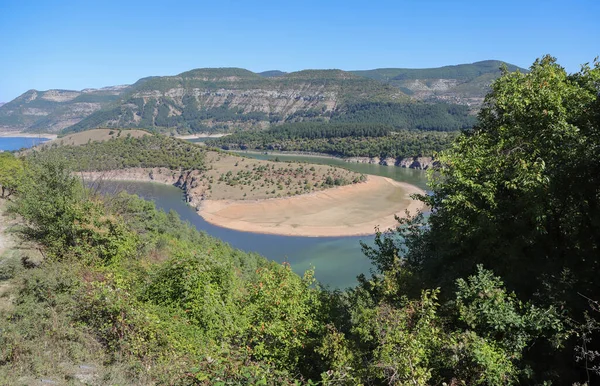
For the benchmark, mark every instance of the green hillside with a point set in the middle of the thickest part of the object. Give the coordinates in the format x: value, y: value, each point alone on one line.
x: 371, y: 129
x: 463, y: 72
x: 465, y: 84
x: 272, y: 73
x: 226, y: 99
x: 235, y: 99
x: 130, y: 152
x: 53, y: 110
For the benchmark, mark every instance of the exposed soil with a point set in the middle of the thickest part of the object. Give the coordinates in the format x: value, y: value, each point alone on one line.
x: 345, y: 211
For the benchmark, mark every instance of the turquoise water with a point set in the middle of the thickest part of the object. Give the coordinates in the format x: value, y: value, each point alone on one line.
x: 16, y: 143
x: 337, y: 260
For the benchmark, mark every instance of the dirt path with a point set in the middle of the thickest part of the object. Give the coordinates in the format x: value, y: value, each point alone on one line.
x: 5, y: 240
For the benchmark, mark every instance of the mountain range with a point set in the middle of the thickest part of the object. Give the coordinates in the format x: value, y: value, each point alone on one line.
x: 226, y: 99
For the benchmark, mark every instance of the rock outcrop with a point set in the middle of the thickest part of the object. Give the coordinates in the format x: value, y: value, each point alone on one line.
x: 421, y: 163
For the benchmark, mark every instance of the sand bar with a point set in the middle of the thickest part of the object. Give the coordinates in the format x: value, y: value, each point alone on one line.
x: 351, y: 210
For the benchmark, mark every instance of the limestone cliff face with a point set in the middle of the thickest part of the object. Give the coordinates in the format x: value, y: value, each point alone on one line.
x: 224, y: 99
x: 465, y: 84
x: 185, y: 180
x: 232, y: 98
x: 421, y: 163
x: 53, y: 110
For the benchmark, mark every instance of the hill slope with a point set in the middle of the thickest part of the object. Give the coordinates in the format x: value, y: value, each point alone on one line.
x: 228, y: 99
x: 53, y: 110
x: 464, y: 84
x: 231, y: 98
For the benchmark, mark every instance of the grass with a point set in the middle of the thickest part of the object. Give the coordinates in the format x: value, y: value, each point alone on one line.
x: 39, y: 341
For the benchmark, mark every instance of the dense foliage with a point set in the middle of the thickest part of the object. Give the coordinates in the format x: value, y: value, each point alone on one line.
x: 11, y: 169
x: 163, y: 303
x: 520, y: 194
x: 492, y: 291
x: 411, y: 116
x: 346, y: 140
x: 127, y: 152
x: 367, y: 129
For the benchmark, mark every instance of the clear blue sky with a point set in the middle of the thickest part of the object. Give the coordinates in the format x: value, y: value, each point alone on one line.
x: 80, y: 44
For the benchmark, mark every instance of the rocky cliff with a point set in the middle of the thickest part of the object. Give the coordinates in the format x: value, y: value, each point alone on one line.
x: 225, y: 99
x: 220, y: 100
x: 53, y: 110
x: 465, y: 84
x: 422, y: 163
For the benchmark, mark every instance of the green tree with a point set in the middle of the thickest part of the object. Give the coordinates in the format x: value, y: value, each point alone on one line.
x: 48, y: 199
x: 520, y: 193
x: 282, y: 315
x: 11, y: 169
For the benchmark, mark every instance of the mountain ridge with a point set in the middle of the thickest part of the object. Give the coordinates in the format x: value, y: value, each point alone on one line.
x: 465, y: 84
x: 230, y: 98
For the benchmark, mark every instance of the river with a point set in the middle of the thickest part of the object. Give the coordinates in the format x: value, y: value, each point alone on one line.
x: 337, y: 260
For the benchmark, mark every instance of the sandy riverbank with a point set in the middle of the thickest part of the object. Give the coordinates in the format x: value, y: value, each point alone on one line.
x: 351, y: 210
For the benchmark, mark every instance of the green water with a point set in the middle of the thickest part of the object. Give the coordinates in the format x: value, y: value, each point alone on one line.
x: 337, y: 260
x: 411, y: 176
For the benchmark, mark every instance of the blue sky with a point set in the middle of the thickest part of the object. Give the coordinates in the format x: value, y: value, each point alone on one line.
x: 81, y: 44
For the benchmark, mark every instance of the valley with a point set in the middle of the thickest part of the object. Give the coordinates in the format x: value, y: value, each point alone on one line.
x: 232, y: 99
x: 245, y: 194
x: 299, y: 193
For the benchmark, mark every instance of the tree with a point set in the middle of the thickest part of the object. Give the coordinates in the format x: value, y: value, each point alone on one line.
x: 48, y: 198
x: 518, y: 194
x: 11, y: 169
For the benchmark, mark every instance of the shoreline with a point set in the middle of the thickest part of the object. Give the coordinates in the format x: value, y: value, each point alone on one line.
x: 415, y: 162
x: 316, y: 214
x: 201, y: 135
x: 18, y: 134
x: 345, y: 211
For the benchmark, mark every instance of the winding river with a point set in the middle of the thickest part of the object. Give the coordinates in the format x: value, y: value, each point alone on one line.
x: 337, y: 260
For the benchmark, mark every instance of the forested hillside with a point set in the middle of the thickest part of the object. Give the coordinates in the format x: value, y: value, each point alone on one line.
x: 498, y: 286
x: 363, y: 130
x: 465, y: 84
x: 341, y: 139
x: 233, y: 99
x: 129, y: 152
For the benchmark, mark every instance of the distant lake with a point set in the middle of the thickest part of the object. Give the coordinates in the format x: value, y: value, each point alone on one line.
x: 16, y: 143
x: 337, y: 260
